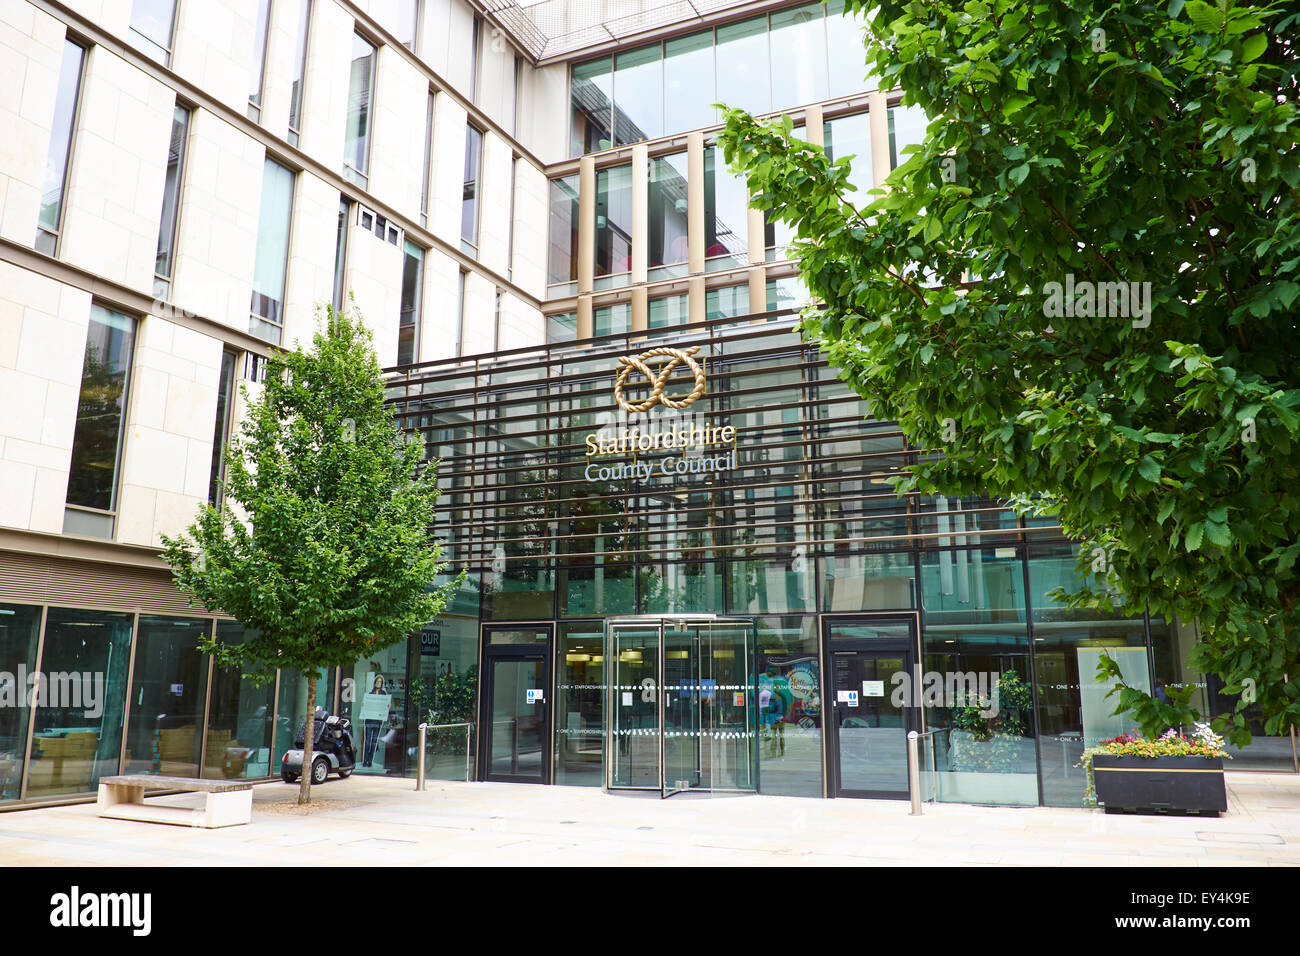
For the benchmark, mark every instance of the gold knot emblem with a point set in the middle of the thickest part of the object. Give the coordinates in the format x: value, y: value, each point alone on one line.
x: 667, y: 361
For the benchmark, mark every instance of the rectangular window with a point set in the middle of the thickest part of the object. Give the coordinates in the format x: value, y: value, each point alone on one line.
x: 171, y: 204
x: 272, y: 260
x: 726, y: 303
x: 846, y: 50
x: 356, y: 136
x: 613, y: 226
x: 906, y: 128
x: 460, y: 312
x: 562, y: 327
x: 726, y: 214
x: 299, y: 71
x: 20, y: 631
x: 611, y: 319
x: 591, y: 94
x: 668, y: 312
x: 638, y: 95
x: 152, y: 23
x: 428, y: 162
x: 850, y: 136
x: 56, y: 160
x: 496, y: 320
x: 401, y: 18
x: 470, y: 191
x: 475, y: 52
x: 408, y: 324
x: 688, y: 83
x: 516, y: 73
x: 743, y: 66
x: 510, y: 223
x: 778, y: 235
x: 98, y: 433
x: 341, y: 253
x: 221, y: 428
x: 667, y: 208
x: 787, y: 293
x: 168, y: 692
x: 260, y: 32
x: 798, y: 43
x: 562, y: 255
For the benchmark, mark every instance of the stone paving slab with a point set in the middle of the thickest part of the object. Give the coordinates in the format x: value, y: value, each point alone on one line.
x: 383, y: 821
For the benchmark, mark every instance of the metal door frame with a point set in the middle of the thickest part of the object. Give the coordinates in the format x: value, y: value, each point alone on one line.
x: 488, y: 655
x: 914, y: 714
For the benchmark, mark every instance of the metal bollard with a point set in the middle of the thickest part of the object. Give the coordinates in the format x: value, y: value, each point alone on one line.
x: 914, y: 772
x: 419, y: 772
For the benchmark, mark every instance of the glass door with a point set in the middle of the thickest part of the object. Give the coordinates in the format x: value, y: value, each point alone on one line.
x: 632, y: 660
x: 685, y: 690
x: 515, y: 734
x: 868, y: 721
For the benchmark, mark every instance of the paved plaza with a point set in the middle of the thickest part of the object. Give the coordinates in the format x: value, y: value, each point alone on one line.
x: 383, y: 821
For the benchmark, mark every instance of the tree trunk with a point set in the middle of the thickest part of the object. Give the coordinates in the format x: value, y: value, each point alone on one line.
x: 304, y: 785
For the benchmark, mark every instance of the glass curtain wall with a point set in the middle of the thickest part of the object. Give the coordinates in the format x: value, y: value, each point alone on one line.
x: 562, y: 231
x: 668, y: 251
x: 240, y: 728
x: 744, y: 80
x: 726, y: 214
x: 20, y: 629
x: 168, y: 696
x: 613, y: 226
x: 442, y: 670
x: 592, y: 92
x: 798, y: 53
x: 580, y: 704
x: 849, y: 137
x: 638, y: 95
x: 688, y: 83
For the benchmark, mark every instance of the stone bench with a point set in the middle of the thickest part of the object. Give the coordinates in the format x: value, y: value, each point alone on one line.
x: 228, y: 802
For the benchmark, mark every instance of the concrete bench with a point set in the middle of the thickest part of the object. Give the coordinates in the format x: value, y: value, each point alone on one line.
x: 228, y: 802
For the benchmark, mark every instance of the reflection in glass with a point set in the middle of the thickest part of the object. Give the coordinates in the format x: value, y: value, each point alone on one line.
x: 151, y: 28
x: 239, y: 718
x: 728, y: 302
x: 592, y: 90
x: 668, y: 311
x: 293, y: 708
x: 20, y: 626
x: 907, y: 126
x: 97, y: 436
x: 562, y: 327
x: 272, y: 257
x: 798, y: 43
x: 408, y: 323
x: 517, y: 729
x: 789, y: 707
x: 171, y: 199
x: 742, y: 53
x: 634, y: 720
x: 56, y: 159
x: 850, y: 136
x: 562, y: 259
x: 260, y: 31
x: 638, y: 99
x: 688, y: 83
x: 580, y: 705
x: 726, y: 216
x: 356, y: 135
x: 667, y: 207
x: 77, y: 725
x: 469, y: 193
x: 613, y: 220
x: 846, y: 53
x: 299, y: 71
x: 168, y: 690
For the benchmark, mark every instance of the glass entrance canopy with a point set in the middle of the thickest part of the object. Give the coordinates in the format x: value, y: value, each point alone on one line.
x: 682, y: 704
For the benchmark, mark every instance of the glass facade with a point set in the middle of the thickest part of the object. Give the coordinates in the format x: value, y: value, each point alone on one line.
x: 613, y: 212
x: 668, y: 250
x: 726, y: 214
x: 562, y: 233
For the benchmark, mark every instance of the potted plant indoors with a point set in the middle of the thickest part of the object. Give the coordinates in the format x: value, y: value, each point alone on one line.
x: 1163, y: 771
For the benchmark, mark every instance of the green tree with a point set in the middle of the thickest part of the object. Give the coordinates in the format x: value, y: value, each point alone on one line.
x: 330, y: 559
x: 1124, y: 179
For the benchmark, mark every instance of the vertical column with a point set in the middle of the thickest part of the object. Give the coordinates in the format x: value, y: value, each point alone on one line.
x: 640, y: 211
x: 695, y: 202
x: 586, y: 223
x: 879, y: 117
x: 640, y: 309
x: 584, y: 317
x: 695, y: 298
x: 813, y: 121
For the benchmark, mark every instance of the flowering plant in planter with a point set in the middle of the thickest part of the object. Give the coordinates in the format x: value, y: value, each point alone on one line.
x: 1203, y: 742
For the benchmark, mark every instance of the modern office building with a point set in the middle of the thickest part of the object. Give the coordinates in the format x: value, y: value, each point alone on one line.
x: 686, y: 569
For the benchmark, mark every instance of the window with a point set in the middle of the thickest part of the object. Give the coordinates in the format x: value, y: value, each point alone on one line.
x: 846, y: 53
x: 356, y: 137
x: 638, y: 95
x: 850, y: 136
x: 97, y: 435
x: 171, y: 203
x: 788, y: 293
x: 688, y: 83
x: 906, y: 127
x: 798, y: 41
x: 562, y: 256
x: 299, y: 72
x: 475, y: 54
x: 669, y: 311
x: 592, y: 99
x: 469, y: 194
x: 613, y: 226
x: 428, y: 162
x: 562, y: 327
x: 667, y: 210
x: 510, y: 222
x: 408, y: 324
x: 56, y: 160
x: 221, y: 428
x: 743, y: 76
x: 152, y: 23
x: 496, y: 319
x: 611, y: 319
x: 778, y: 235
x: 726, y: 215
x: 516, y: 73
x: 726, y: 303
x: 460, y: 312
x: 341, y: 253
x: 260, y: 32
x: 276, y: 213
x: 401, y: 18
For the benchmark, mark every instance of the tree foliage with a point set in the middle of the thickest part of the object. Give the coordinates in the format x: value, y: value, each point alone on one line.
x: 1100, y: 147
x: 329, y: 558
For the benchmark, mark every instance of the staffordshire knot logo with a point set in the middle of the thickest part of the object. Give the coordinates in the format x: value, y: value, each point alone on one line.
x: 657, y: 366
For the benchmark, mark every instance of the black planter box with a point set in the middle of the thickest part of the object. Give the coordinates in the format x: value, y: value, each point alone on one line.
x: 1160, y: 784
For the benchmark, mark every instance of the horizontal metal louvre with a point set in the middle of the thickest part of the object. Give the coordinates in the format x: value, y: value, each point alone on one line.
x: 38, y: 579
